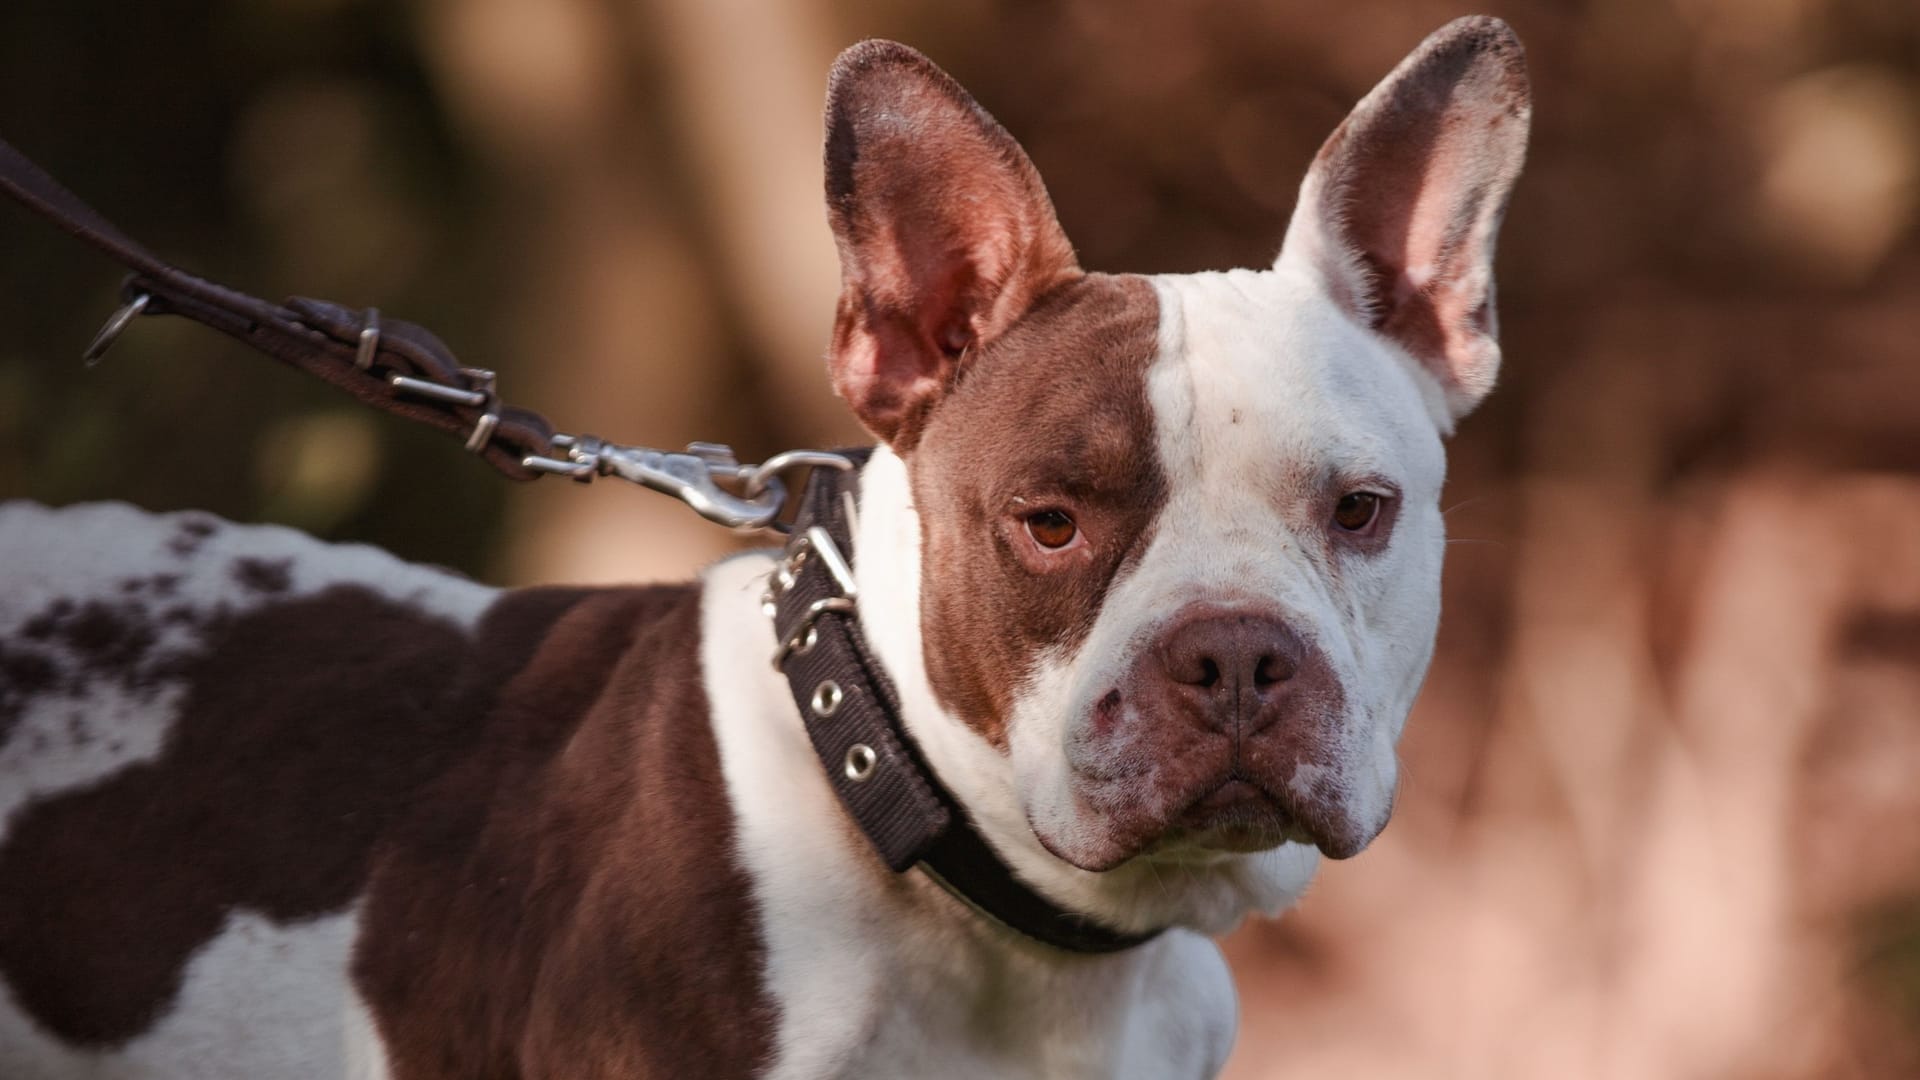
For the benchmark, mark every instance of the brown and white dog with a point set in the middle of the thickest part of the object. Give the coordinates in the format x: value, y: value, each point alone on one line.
x: 1154, y: 563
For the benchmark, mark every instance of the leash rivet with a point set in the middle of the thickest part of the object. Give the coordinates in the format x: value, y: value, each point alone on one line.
x: 826, y: 699
x: 861, y: 761
x: 369, y: 344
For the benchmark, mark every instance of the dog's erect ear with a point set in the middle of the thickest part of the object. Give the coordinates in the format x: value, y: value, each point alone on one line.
x: 945, y: 232
x: 1401, y: 208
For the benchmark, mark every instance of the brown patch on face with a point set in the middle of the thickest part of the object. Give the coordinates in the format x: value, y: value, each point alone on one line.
x: 305, y: 729
x: 1054, y: 414
x: 566, y: 902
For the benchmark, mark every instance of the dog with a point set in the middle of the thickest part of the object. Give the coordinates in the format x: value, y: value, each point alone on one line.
x: 1151, y: 563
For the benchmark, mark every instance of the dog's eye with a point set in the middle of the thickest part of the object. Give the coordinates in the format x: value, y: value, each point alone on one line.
x: 1356, y: 510
x: 1052, y: 529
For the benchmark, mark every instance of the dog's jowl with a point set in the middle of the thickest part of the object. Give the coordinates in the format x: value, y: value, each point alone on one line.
x: 1152, y: 564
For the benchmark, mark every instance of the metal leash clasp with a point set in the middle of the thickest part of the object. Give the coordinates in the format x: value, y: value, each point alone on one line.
x: 705, y: 476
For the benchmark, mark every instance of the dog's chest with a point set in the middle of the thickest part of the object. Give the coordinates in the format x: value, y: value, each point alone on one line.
x: 873, y: 974
x: 1166, y: 1014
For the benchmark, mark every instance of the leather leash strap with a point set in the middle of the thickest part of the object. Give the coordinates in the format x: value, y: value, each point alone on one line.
x: 394, y: 366
x: 852, y: 715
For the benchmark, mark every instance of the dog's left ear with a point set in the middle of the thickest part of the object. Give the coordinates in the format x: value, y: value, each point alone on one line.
x: 1401, y: 208
x: 946, y: 234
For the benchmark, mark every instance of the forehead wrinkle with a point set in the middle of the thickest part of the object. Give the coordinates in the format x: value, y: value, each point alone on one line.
x: 1318, y: 399
x: 1227, y: 393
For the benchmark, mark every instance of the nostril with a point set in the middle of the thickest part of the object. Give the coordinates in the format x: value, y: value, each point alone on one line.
x: 1234, y: 654
x: 1273, y: 668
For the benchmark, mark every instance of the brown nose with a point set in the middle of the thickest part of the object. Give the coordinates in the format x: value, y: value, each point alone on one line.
x: 1236, y: 667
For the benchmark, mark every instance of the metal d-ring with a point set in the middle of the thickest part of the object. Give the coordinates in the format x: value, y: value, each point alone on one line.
x: 760, y: 476
x: 110, y: 332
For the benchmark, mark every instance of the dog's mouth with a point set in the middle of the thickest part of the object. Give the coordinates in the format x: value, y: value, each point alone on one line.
x: 1204, y: 799
x: 1238, y: 814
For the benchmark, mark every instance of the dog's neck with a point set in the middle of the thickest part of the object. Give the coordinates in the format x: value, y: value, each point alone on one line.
x: 1214, y: 893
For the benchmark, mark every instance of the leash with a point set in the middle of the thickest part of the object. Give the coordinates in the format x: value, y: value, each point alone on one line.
x: 849, y: 706
x: 403, y: 369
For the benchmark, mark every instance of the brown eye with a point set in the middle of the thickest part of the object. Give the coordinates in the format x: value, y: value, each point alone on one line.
x: 1356, y: 510
x: 1051, y: 529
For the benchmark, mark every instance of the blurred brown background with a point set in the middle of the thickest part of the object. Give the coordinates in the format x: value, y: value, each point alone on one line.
x: 1661, y: 814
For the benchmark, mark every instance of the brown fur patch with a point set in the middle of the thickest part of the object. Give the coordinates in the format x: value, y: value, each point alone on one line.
x: 264, y: 575
x: 191, y: 533
x: 70, y: 647
x: 24, y: 675
x: 1052, y: 414
x: 306, y: 728
x: 539, y: 810
x: 566, y: 903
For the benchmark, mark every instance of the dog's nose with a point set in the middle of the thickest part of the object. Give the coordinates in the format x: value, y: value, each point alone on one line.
x: 1239, y: 664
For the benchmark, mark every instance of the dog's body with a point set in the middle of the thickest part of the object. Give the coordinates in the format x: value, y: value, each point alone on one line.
x: 1152, y: 562
x: 468, y: 735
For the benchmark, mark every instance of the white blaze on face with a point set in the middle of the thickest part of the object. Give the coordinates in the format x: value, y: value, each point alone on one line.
x: 1268, y: 402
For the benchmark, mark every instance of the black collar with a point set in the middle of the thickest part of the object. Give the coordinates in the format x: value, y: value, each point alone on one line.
x: 852, y: 716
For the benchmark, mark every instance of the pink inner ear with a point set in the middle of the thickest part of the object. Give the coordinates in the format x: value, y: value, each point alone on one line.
x: 947, y: 314
x: 1418, y: 238
x: 945, y: 232
x: 900, y: 338
x: 1405, y: 200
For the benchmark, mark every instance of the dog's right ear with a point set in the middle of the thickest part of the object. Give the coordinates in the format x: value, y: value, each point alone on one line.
x: 946, y: 234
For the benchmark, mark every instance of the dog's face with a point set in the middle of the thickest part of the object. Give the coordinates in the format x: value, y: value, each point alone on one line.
x: 1181, y: 540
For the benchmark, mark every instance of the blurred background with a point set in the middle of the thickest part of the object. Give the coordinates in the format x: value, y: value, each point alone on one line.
x: 1661, y: 814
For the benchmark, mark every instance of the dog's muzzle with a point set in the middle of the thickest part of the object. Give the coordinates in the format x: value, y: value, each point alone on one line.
x: 1226, y: 734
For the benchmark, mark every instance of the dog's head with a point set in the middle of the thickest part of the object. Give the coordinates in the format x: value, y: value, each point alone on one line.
x: 1180, y: 536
